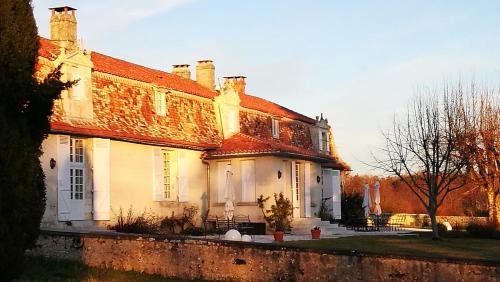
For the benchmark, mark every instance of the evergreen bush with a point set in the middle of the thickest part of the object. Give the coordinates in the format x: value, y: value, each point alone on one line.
x: 25, y: 108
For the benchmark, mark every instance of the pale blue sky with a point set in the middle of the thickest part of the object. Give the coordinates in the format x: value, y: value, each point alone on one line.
x: 358, y: 62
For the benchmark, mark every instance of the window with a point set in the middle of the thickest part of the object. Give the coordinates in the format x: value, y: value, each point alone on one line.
x: 232, y: 120
x: 167, y: 186
x: 323, y: 143
x: 248, y: 181
x: 324, y: 139
x: 160, y: 103
x: 78, y: 90
x: 76, y: 183
x: 276, y: 128
x: 76, y: 150
x: 76, y: 169
x: 296, y: 184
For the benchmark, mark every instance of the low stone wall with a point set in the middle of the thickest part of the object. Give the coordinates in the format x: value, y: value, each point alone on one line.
x: 421, y: 220
x: 239, y: 261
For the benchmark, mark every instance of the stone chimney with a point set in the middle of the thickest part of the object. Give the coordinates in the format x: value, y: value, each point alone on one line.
x: 238, y: 82
x: 63, y: 26
x: 205, y: 73
x: 181, y: 70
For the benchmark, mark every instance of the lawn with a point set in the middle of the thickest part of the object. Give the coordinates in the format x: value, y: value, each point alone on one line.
x: 44, y: 269
x: 417, y: 246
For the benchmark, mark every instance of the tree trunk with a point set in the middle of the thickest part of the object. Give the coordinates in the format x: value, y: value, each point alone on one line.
x: 432, y: 214
x: 493, y: 206
x: 497, y: 205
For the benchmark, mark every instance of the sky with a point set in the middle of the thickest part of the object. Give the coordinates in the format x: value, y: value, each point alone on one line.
x: 357, y: 62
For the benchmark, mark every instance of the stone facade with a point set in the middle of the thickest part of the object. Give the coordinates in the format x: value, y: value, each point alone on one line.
x: 239, y: 261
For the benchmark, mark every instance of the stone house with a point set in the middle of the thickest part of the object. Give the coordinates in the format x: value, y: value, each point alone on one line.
x: 127, y: 136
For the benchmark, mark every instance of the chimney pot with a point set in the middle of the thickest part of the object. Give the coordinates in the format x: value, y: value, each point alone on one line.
x: 182, y: 70
x: 205, y: 73
x: 63, y: 26
x: 238, y: 81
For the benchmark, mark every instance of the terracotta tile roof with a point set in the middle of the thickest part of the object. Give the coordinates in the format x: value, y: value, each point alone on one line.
x: 242, y: 144
x: 48, y: 49
x: 94, y: 131
x: 110, y: 65
x: 126, y: 112
x: 263, y: 105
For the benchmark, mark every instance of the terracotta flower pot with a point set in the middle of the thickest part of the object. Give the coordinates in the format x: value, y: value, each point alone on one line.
x: 315, y: 234
x: 278, y: 236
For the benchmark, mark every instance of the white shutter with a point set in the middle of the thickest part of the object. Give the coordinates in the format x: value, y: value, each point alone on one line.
x: 320, y: 140
x: 336, y: 194
x: 248, y: 181
x: 63, y: 187
x: 157, y: 175
x: 182, y: 177
x: 101, y: 178
x: 307, y: 189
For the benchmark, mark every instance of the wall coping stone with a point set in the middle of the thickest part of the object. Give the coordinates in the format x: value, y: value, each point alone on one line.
x: 265, y: 246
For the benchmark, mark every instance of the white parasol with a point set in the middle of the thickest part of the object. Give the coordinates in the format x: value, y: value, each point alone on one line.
x: 376, y: 192
x: 367, y: 203
x: 229, y: 194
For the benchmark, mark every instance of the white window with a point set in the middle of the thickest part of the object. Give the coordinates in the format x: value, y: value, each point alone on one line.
x: 232, y: 121
x: 276, y: 128
x: 169, y: 181
x: 324, y: 138
x: 323, y: 141
x: 78, y: 90
x: 160, y: 103
x: 248, y: 181
x: 76, y: 169
x: 167, y: 184
x: 296, y: 182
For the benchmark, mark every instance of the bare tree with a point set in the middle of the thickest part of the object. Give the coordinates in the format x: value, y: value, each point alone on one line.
x: 480, y: 111
x: 422, y: 150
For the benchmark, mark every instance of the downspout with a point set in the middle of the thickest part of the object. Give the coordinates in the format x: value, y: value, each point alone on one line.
x: 208, y: 183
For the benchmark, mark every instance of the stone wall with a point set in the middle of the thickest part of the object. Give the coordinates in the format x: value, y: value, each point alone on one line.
x: 239, y: 261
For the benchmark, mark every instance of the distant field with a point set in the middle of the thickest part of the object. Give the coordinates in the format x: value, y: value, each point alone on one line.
x: 419, y: 246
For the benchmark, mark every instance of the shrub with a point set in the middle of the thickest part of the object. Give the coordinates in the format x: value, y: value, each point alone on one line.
x: 142, y: 224
x: 442, y: 230
x: 168, y: 223
x: 179, y: 222
x: 324, y: 212
x: 483, y: 231
x: 279, y: 215
x: 193, y: 231
x: 352, y: 210
x: 25, y: 108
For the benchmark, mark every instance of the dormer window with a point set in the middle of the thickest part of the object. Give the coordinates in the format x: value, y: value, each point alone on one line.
x: 275, y: 128
x: 160, y: 103
x: 78, y: 90
x: 323, y: 143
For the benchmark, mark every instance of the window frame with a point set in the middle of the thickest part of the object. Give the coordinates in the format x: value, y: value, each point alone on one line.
x: 166, y: 158
x: 77, y: 163
x: 160, y: 103
x: 275, y: 128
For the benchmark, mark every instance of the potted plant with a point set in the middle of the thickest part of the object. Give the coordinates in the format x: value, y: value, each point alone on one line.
x: 278, y: 216
x: 315, y: 232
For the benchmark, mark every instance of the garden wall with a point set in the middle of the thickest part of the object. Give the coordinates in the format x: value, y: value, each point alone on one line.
x: 420, y: 220
x: 239, y: 261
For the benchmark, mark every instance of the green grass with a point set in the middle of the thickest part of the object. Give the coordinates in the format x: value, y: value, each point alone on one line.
x: 416, y: 246
x: 45, y: 269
